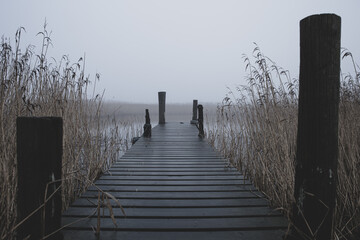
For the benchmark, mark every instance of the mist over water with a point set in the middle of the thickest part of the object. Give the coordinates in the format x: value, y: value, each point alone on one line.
x: 135, y: 112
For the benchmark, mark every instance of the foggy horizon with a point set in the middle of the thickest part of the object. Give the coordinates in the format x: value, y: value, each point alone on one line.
x: 190, y: 49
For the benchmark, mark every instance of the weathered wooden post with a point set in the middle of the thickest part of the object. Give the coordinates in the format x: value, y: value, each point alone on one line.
x: 162, y: 98
x: 317, y: 139
x: 201, y: 121
x: 194, y: 115
x: 147, y: 125
x: 39, y: 159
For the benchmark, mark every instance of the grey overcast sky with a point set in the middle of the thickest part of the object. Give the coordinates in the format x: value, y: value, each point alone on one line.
x: 192, y: 49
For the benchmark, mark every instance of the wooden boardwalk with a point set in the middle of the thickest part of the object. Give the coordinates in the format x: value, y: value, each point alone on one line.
x: 174, y: 186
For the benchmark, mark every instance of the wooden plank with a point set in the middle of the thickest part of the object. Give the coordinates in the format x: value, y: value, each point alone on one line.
x: 175, y: 203
x: 174, y: 166
x: 199, y: 224
x: 170, y: 142
x: 175, y: 212
x: 177, y: 195
x: 170, y: 163
x: 171, y: 183
x: 175, y: 235
x: 202, y: 150
x: 113, y: 188
x: 172, y: 173
x: 172, y: 178
x: 172, y: 151
x: 172, y: 158
x: 160, y: 147
x: 150, y: 157
x: 164, y: 165
x: 175, y: 151
x: 170, y: 169
x: 175, y: 155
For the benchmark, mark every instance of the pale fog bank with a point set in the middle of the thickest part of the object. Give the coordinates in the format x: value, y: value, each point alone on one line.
x: 135, y: 112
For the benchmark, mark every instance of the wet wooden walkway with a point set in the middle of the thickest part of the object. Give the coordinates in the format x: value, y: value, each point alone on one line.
x: 174, y: 186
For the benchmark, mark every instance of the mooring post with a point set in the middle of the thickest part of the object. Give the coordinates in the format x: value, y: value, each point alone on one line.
x: 147, y: 125
x: 162, y: 98
x: 317, y: 137
x: 201, y: 121
x: 194, y: 115
x: 39, y: 160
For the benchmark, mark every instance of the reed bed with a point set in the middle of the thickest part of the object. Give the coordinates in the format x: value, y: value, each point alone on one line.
x: 30, y: 85
x: 256, y: 126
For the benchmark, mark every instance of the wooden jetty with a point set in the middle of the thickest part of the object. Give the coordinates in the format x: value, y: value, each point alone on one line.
x: 173, y: 186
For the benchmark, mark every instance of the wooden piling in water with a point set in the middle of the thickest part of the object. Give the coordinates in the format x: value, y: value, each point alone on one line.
x: 147, y: 125
x: 201, y: 121
x: 317, y: 139
x: 162, y: 98
x: 194, y: 115
x: 39, y: 160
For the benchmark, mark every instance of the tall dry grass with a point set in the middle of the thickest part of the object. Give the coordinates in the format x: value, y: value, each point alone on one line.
x: 31, y: 85
x: 256, y: 129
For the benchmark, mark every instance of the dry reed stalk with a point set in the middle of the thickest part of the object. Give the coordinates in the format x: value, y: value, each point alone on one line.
x: 256, y: 130
x: 30, y: 85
